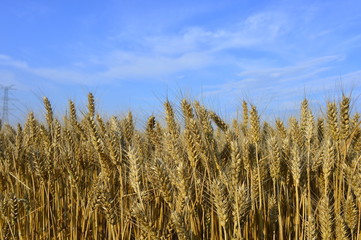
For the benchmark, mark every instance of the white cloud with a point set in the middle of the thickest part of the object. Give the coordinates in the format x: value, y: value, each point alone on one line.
x: 290, y: 72
x: 148, y: 66
x: 287, y: 84
x: 255, y: 31
x: 119, y: 67
x: 195, y: 48
x: 164, y: 55
x: 8, y: 61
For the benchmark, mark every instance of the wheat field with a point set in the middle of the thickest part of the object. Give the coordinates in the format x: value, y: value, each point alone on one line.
x: 188, y: 175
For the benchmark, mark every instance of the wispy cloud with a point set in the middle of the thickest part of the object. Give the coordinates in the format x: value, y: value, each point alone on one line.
x: 117, y: 66
x: 267, y: 51
x: 163, y: 55
x: 8, y: 61
x: 254, y: 31
x: 282, y: 88
x: 300, y: 70
x: 258, y: 77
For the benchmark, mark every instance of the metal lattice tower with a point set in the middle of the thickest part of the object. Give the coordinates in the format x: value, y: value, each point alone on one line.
x: 6, y: 99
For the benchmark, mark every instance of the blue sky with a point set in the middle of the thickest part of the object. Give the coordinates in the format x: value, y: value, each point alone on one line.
x: 134, y: 54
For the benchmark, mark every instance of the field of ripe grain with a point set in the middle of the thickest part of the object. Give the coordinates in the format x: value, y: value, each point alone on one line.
x: 194, y: 177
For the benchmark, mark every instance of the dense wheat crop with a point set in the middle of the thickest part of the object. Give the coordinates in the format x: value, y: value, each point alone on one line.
x: 189, y: 175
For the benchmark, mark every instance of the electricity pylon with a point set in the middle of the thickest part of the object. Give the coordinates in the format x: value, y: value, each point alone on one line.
x: 6, y: 99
